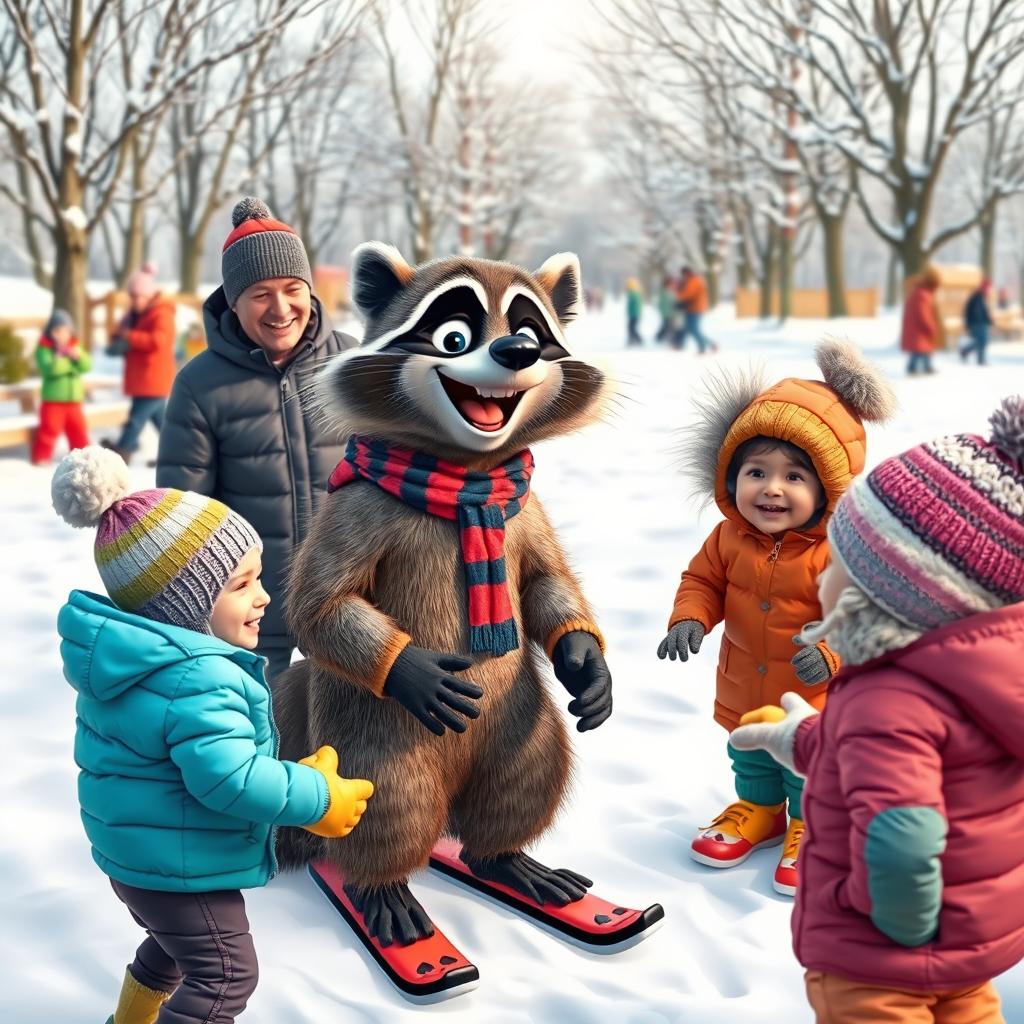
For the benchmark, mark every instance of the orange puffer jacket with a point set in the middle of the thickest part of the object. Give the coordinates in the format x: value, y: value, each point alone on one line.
x: 765, y: 587
x: 149, y: 365
x: 693, y: 296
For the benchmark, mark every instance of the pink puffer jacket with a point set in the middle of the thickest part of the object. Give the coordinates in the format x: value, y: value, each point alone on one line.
x: 935, y: 730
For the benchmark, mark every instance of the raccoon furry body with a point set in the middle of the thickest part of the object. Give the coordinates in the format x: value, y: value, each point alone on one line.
x: 376, y: 574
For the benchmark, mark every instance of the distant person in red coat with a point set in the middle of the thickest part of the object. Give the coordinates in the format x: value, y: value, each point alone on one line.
x: 145, y: 337
x: 921, y: 328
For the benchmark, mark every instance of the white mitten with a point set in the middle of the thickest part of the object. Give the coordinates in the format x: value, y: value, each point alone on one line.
x: 773, y: 729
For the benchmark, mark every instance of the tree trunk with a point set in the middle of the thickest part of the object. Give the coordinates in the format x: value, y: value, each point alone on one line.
x: 835, y: 269
x: 785, y: 274
x: 767, y: 279
x: 189, y: 262
x: 892, y: 279
x: 43, y: 275
x: 135, y: 232
x: 70, y: 273
x: 987, y: 227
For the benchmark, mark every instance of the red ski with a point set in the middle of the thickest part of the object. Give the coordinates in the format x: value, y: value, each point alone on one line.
x: 591, y: 922
x: 426, y: 971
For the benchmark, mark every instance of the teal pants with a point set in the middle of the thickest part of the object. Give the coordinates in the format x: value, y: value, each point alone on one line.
x: 762, y: 780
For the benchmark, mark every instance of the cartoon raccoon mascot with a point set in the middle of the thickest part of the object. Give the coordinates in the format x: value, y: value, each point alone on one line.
x: 432, y: 589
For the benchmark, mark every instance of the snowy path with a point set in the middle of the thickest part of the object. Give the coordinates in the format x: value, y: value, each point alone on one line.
x: 656, y: 770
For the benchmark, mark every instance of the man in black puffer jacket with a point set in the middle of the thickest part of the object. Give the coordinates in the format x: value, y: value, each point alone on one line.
x: 240, y: 424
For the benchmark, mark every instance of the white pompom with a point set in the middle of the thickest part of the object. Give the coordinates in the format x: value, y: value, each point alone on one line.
x: 86, y: 483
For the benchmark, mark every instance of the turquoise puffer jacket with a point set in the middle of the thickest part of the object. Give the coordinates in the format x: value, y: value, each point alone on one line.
x: 180, y: 786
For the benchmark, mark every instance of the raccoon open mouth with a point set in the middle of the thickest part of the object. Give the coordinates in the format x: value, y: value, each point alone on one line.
x: 489, y: 411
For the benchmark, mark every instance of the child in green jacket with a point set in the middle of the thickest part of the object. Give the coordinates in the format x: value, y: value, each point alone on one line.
x: 61, y: 361
x: 180, y: 787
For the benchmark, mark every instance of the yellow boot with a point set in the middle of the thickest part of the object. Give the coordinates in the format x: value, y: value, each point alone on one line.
x: 737, y: 832
x: 785, y: 874
x: 137, y: 1004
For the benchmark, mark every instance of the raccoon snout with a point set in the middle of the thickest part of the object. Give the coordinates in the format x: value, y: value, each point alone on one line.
x: 515, y: 352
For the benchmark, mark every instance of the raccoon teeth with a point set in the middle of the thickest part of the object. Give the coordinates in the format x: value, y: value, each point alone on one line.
x: 496, y: 392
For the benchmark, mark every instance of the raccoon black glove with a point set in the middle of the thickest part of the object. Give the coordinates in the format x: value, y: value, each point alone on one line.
x: 683, y: 636
x: 582, y: 670
x: 420, y: 682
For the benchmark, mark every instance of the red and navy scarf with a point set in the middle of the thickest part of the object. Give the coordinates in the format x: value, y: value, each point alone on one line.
x: 480, y: 502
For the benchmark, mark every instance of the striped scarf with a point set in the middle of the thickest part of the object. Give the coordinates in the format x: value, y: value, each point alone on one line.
x: 479, y: 502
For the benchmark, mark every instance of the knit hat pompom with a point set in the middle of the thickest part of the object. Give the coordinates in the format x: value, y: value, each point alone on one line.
x: 1008, y: 428
x: 86, y: 483
x: 859, y: 383
x: 149, y: 267
x: 250, y: 208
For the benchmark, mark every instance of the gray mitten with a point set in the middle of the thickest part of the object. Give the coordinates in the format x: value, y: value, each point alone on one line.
x: 811, y: 665
x: 683, y: 639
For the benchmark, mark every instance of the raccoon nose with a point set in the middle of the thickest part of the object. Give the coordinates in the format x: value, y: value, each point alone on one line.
x: 516, y: 352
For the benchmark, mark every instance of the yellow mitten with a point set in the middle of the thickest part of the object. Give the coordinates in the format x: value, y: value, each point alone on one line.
x: 138, y: 1004
x: 347, y: 796
x: 768, y: 713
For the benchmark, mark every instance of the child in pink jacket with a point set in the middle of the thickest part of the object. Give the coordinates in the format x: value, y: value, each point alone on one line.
x: 913, y: 862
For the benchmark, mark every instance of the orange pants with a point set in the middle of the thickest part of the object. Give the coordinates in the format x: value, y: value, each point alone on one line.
x: 56, y: 418
x: 836, y: 1000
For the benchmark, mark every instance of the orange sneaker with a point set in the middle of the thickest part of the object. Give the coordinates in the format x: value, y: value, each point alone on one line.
x: 785, y: 874
x: 737, y: 832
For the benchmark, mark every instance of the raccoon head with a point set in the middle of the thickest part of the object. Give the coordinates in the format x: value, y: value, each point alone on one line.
x: 463, y: 358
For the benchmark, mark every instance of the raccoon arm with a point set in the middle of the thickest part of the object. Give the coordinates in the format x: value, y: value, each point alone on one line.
x: 347, y: 635
x: 327, y: 613
x: 552, y: 602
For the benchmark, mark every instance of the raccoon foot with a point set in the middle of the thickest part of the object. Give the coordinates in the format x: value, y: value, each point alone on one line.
x: 390, y: 913
x: 530, y: 878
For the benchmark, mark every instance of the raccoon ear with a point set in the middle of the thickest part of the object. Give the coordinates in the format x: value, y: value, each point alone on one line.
x: 379, y: 273
x: 560, y: 278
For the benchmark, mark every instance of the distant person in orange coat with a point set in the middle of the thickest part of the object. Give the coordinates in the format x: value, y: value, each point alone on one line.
x: 145, y: 337
x: 921, y: 328
x: 692, y: 303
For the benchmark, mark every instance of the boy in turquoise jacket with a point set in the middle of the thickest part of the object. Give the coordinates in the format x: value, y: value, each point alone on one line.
x: 180, y: 787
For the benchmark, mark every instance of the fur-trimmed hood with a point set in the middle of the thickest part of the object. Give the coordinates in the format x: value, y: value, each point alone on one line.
x: 824, y: 418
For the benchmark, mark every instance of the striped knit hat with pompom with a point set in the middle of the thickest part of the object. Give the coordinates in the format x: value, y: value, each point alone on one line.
x: 937, y: 534
x: 260, y: 248
x: 162, y: 553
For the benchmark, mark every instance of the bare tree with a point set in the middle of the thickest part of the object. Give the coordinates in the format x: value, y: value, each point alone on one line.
x: 446, y: 31
x: 72, y: 119
x: 910, y: 77
x: 740, y: 137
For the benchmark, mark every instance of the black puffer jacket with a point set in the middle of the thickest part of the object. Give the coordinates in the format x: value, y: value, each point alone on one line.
x: 241, y: 430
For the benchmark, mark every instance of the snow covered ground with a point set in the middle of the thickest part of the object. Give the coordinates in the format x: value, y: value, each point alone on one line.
x: 645, y: 779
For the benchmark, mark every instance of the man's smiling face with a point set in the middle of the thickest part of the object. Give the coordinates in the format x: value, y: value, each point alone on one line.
x: 274, y: 313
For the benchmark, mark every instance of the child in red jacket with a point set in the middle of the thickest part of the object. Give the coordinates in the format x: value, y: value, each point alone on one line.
x: 914, y: 799
x: 145, y: 338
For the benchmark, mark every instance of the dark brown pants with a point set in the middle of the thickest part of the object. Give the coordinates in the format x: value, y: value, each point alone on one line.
x: 198, y: 947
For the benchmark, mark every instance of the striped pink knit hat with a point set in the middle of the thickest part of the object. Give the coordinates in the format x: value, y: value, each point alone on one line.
x: 162, y: 553
x: 937, y: 534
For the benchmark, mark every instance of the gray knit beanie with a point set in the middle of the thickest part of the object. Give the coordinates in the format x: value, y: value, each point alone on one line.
x: 260, y: 248
x: 59, y: 318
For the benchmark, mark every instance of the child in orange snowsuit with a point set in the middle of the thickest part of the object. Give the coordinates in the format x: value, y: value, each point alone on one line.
x: 776, y: 462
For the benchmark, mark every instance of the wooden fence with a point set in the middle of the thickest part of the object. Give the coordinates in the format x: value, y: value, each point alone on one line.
x: 808, y: 303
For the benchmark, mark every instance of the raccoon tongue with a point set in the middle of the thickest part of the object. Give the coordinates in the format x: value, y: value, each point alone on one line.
x: 482, y: 413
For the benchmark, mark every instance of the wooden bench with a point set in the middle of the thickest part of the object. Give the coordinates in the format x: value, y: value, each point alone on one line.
x: 18, y: 430
x: 26, y: 392
x: 1007, y: 325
